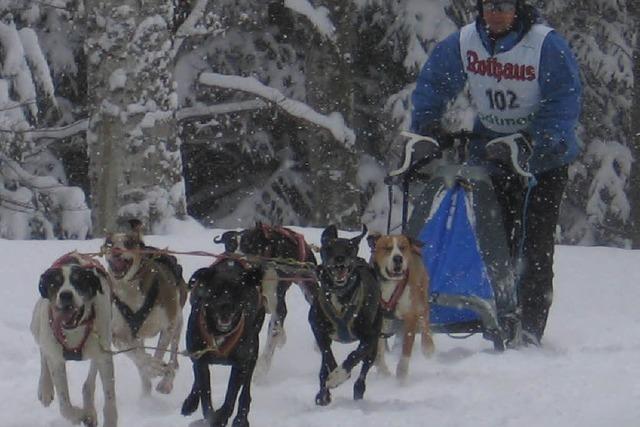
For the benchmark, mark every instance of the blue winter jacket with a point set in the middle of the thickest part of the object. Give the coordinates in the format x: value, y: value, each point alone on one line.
x: 553, y: 127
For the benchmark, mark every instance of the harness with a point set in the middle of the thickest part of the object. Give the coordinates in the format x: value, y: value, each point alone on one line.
x: 343, y: 323
x: 58, y: 328
x: 220, y: 345
x: 82, y: 260
x: 389, y: 307
x: 296, y: 238
x: 137, y: 318
x: 390, y: 323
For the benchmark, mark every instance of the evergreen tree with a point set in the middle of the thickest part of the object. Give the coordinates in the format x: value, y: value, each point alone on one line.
x: 597, y: 207
x: 36, y: 198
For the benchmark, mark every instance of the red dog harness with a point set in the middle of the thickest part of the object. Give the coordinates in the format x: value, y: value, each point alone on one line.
x: 296, y: 238
x: 55, y: 322
x: 390, y: 306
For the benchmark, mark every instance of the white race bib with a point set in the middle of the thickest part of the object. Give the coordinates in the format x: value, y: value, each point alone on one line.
x: 504, y: 87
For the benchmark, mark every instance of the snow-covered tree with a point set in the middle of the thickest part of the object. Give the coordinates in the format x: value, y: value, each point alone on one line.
x: 36, y: 200
x: 347, y: 68
x: 634, y: 119
x: 136, y: 166
x: 289, y: 110
x: 597, y: 207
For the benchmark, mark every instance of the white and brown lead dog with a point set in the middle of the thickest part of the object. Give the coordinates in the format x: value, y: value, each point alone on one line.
x: 404, y: 285
x: 149, y: 293
x: 72, y: 321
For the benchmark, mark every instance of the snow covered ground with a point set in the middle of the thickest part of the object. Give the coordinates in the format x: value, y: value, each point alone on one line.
x: 587, y: 373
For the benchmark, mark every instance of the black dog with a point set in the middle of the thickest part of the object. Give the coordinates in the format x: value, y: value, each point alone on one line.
x: 346, y: 308
x: 292, y: 260
x: 226, y: 318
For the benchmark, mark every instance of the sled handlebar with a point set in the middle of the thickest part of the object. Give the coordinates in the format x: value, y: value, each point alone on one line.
x: 414, y: 139
x: 513, y: 150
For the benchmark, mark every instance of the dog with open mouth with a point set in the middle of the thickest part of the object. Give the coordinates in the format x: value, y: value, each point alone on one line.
x: 404, y: 286
x: 149, y: 294
x: 282, y: 246
x: 227, y: 314
x: 346, y: 309
x: 72, y: 322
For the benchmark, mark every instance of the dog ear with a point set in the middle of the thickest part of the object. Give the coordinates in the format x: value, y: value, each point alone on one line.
x: 49, y: 280
x: 372, y: 239
x: 135, y: 225
x: 329, y: 233
x: 365, y: 230
x: 199, y: 276
x: 356, y: 240
x: 415, y: 243
x: 230, y: 240
x: 137, y: 231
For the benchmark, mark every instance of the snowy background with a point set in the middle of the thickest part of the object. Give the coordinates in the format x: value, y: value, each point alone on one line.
x: 587, y: 373
x: 274, y: 102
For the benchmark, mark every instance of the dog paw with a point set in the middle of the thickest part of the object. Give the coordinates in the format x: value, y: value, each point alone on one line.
x: 75, y: 415
x: 240, y: 421
x: 358, y: 389
x: 90, y: 420
x: 337, y: 377
x: 383, y: 370
x: 45, y: 395
x: 323, y: 398
x: 165, y: 386
x: 428, y: 347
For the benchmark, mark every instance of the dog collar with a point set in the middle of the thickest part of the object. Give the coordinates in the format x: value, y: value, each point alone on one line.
x: 390, y: 306
x: 221, y: 345
x: 55, y: 322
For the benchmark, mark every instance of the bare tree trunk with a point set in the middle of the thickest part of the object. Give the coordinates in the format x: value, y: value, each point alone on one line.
x: 135, y: 163
x: 329, y: 74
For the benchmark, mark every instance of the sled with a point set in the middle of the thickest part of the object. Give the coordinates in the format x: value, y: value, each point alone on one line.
x: 455, y: 213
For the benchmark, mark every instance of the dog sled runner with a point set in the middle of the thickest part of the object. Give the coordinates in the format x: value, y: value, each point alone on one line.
x: 455, y: 212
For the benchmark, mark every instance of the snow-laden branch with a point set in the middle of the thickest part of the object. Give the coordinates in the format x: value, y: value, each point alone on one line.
x: 60, y: 132
x: 334, y: 122
x: 213, y: 110
x: 190, y: 26
x: 54, y: 133
x: 319, y: 16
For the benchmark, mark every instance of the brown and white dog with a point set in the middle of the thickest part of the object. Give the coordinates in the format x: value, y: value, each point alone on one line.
x: 72, y: 321
x: 404, y: 285
x: 149, y: 293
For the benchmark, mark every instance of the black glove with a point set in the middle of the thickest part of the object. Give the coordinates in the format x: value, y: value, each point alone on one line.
x: 435, y: 131
x: 514, y: 151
